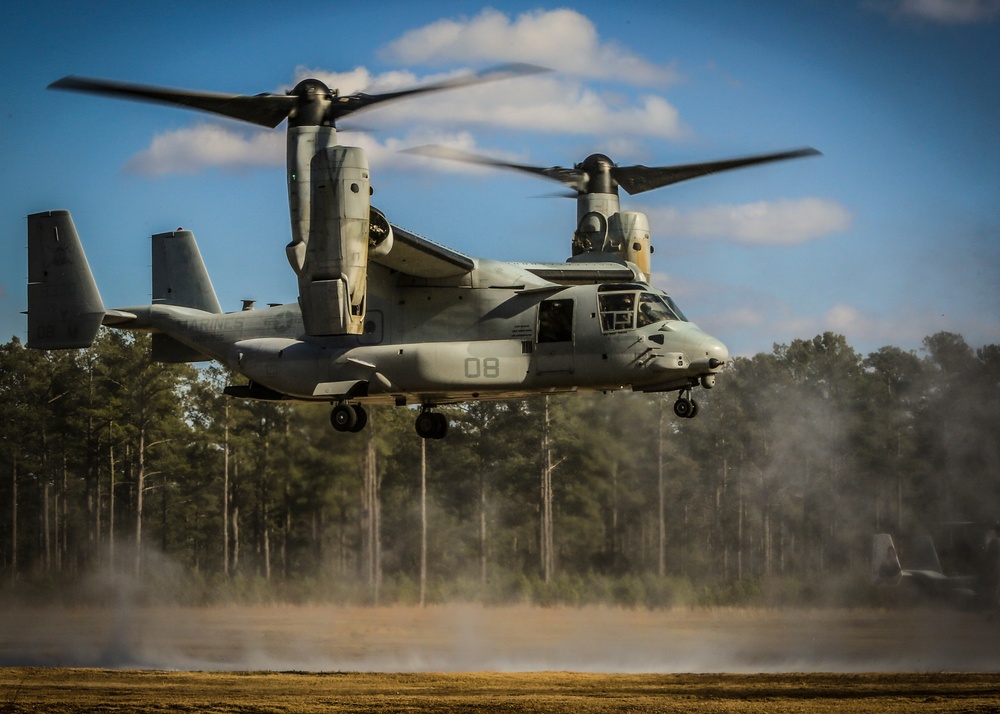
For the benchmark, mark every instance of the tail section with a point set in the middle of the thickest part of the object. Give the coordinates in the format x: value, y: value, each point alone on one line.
x: 925, y: 555
x: 885, y: 562
x: 65, y: 309
x: 179, y: 274
x: 180, y: 279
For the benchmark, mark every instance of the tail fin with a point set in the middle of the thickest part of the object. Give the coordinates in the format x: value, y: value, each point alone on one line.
x: 179, y: 274
x: 925, y: 555
x: 65, y: 309
x: 885, y: 562
x: 180, y: 279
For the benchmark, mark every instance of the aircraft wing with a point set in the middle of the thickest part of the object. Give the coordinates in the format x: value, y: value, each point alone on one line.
x: 583, y: 273
x: 414, y: 255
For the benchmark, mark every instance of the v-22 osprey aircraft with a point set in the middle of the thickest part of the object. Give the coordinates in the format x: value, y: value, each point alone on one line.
x: 385, y: 316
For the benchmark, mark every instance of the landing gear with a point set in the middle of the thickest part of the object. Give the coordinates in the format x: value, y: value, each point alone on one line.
x: 431, y: 425
x: 349, y: 417
x: 685, y: 407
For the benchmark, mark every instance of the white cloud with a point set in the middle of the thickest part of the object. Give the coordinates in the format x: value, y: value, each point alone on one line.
x: 539, y: 103
x: 563, y: 40
x: 194, y: 149
x: 553, y: 103
x: 947, y: 12
x: 207, y: 146
x: 782, y: 222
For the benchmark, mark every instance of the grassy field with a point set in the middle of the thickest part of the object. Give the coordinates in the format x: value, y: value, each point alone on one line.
x: 90, y: 690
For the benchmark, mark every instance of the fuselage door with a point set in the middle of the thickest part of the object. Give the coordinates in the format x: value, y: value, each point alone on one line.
x: 554, y: 336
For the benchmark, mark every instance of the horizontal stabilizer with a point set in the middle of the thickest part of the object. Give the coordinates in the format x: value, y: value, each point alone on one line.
x: 65, y: 309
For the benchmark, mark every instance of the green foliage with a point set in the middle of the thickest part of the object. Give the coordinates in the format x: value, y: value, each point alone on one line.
x: 770, y: 496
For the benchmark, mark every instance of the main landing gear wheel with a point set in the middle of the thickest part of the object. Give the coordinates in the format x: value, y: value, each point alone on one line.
x: 349, y: 417
x: 686, y: 408
x: 431, y: 425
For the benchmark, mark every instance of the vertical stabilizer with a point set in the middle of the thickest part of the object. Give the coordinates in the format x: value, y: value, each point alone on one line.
x: 885, y: 561
x: 925, y: 555
x: 179, y: 274
x: 65, y: 309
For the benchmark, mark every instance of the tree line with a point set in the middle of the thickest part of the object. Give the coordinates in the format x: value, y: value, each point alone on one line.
x: 113, y: 463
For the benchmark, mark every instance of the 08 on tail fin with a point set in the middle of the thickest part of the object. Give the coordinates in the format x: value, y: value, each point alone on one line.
x: 65, y: 309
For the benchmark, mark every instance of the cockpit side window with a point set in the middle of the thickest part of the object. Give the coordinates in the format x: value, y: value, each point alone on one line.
x: 627, y: 310
x: 617, y: 311
x: 652, y: 309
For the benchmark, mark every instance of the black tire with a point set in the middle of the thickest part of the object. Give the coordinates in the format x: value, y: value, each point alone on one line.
x: 361, y: 418
x: 441, y: 429
x: 426, y: 425
x: 682, y: 408
x: 343, y: 417
x: 694, y: 410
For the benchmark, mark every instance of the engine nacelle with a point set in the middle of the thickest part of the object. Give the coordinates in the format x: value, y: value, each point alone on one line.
x: 629, y: 233
x: 333, y: 266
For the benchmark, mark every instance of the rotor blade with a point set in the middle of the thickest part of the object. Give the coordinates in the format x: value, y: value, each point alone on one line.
x: 636, y: 179
x: 263, y: 109
x: 358, y: 102
x: 573, y: 178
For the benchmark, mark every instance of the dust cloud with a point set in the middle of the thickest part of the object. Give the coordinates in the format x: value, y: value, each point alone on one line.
x: 126, y: 634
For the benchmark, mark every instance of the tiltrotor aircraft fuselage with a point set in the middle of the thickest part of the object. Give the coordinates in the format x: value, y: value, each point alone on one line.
x: 385, y: 316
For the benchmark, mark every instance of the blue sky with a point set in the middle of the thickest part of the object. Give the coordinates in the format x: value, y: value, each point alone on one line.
x: 893, y: 234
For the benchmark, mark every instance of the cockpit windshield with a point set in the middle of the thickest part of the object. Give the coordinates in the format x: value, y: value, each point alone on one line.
x: 627, y: 310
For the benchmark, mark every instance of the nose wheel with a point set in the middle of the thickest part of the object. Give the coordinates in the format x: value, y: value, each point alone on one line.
x: 349, y: 417
x: 685, y: 407
x: 431, y: 425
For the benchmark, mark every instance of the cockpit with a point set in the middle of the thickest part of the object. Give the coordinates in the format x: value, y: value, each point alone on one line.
x: 627, y: 306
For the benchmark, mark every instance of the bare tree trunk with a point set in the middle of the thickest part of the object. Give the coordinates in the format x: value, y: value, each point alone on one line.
x: 63, y: 520
x: 225, y: 489
x: 13, y: 520
x: 482, y: 525
x: 423, y: 522
x: 372, y: 515
x: 96, y: 506
x: 111, y: 499
x: 546, y: 539
x: 264, y: 545
x: 236, y: 538
x: 140, y: 485
x: 739, y: 524
x: 45, y: 525
x: 767, y: 539
x: 661, y: 489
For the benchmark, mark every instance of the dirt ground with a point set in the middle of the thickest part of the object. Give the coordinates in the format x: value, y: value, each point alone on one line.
x: 461, y: 658
x: 504, y: 639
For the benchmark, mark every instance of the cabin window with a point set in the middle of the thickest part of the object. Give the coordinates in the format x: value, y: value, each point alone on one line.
x: 555, y: 321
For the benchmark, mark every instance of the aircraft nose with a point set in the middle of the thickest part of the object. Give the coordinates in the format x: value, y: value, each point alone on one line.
x: 715, y: 353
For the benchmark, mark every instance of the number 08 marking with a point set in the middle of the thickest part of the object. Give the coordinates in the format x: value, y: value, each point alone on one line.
x: 488, y: 367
